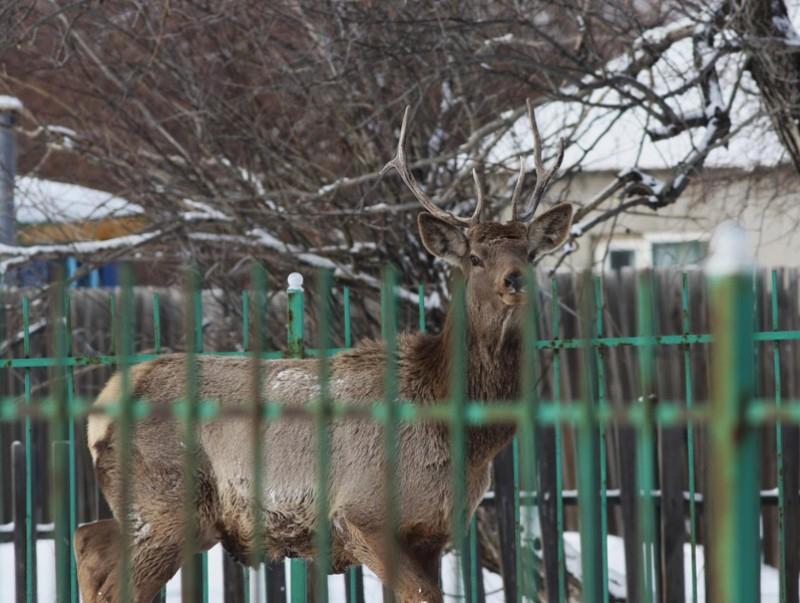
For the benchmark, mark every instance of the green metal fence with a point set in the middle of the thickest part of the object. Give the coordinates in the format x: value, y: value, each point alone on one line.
x: 729, y: 425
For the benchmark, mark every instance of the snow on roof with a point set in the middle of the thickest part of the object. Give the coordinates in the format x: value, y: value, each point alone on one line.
x: 10, y: 103
x: 602, y: 137
x: 38, y: 201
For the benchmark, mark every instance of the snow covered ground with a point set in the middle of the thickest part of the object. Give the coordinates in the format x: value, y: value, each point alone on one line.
x: 372, y: 587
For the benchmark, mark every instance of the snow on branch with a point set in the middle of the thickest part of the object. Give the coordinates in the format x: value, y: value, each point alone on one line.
x: 260, y: 238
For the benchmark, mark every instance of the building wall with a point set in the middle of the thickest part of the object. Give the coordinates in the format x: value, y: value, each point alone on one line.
x: 766, y: 203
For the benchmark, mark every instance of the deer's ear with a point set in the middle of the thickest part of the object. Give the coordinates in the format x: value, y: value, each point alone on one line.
x: 550, y: 229
x: 442, y: 239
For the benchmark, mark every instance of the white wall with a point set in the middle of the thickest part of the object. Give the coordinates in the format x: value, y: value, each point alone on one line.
x: 766, y: 203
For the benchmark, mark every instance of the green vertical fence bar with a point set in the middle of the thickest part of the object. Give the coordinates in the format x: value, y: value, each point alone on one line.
x: 391, y: 420
x: 157, y: 349
x: 457, y: 403
x: 201, y: 559
x: 112, y: 319
x: 355, y: 574
x: 73, y: 470
x: 556, y: 330
x: 515, y: 452
x: 296, y: 349
x: 735, y: 546
x: 421, y: 306
x: 473, y: 568
x: 689, y: 394
x: 156, y: 323
x: 256, y: 347
x: 30, y: 520
x: 348, y: 337
x: 779, y: 460
x: 601, y: 402
x: 588, y: 469
x: 323, y: 414
x: 124, y: 427
x: 61, y: 448
x: 60, y: 467
x: 246, y: 318
x: 192, y: 579
x: 645, y: 469
x: 529, y: 399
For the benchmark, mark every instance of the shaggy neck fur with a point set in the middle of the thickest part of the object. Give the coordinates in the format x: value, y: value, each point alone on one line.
x: 493, y: 358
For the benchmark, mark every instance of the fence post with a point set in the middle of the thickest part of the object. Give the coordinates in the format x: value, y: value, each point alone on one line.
x: 30, y: 519
x: 734, y: 444
x: 9, y: 108
x: 298, y: 571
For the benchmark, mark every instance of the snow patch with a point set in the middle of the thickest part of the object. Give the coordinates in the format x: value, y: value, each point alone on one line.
x: 607, y: 134
x: 10, y: 103
x: 47, y: 201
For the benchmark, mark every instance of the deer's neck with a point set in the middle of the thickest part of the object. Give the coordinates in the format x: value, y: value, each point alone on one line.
x: 493, y: 359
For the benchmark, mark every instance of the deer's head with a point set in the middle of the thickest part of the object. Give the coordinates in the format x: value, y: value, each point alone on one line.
x: 492, y: 256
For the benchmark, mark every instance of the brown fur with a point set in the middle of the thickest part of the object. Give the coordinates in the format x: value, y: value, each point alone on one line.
x: 287, y: 517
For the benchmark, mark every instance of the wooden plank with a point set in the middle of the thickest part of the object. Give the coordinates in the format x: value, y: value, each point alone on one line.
x: 20, y: 542
x: 671, y: 468
x: 232, y: 580
x: 276, y: 581
x: 545, y: 457
x: 503, y: 467
x: 791, y: 483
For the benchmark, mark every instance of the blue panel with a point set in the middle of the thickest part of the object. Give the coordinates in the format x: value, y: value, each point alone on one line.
x: 109, y: 275
x: 72, y: 268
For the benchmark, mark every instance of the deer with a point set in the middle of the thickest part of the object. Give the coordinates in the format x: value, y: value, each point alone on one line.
x: 492, y: 257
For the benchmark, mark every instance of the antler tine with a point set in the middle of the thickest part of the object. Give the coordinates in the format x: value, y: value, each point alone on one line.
x: 517, y: 188
x: 543, y: 176
x: 480, y: 201
x: 400, y: 164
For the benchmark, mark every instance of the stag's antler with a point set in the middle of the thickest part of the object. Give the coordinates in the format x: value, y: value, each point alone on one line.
x: 401, y: 165
x: 544, y: 176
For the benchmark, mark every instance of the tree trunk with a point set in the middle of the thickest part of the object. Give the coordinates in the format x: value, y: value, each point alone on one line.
x: 765, y: 28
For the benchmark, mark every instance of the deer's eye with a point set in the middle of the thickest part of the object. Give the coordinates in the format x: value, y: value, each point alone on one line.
x: 475, y: 260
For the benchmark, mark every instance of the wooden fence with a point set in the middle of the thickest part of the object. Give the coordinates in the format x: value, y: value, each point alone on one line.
x: 682, y: 375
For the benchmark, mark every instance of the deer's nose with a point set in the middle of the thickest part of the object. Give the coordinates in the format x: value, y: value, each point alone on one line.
x: 513, y: 281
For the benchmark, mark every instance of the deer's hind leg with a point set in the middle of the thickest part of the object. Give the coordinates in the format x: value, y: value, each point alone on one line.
x: 98, y: 554
x: 155, y: 514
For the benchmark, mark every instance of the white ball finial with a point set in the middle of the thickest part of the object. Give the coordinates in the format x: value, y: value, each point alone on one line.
x: 731, y: 251
x: 295, y: 281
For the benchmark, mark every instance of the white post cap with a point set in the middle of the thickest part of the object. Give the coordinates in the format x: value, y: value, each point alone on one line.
x: 731, y: 251
x: 295, y: 281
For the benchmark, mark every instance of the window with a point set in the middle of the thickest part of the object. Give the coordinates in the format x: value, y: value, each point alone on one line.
x: 652, y: 250
x: 681, y: 253
x: 621, y: 258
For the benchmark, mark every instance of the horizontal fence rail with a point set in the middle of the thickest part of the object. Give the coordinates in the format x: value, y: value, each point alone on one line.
x: 657, y: 435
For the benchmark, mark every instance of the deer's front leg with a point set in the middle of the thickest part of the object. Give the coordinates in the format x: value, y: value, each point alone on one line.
x: 411, y: 578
